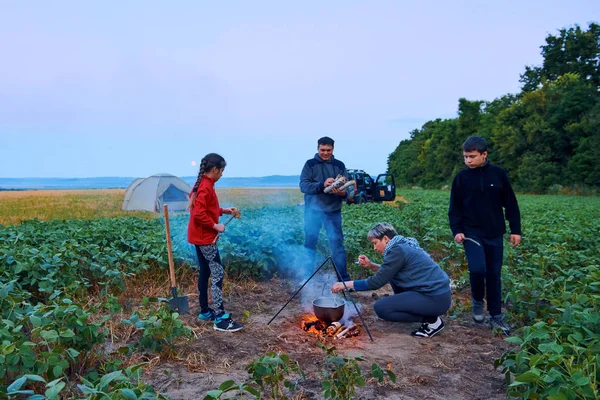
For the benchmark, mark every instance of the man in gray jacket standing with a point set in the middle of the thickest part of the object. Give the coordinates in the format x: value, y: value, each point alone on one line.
x: 324, y: 209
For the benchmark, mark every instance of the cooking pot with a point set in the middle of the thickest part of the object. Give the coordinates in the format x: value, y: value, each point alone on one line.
x: 329, y: 309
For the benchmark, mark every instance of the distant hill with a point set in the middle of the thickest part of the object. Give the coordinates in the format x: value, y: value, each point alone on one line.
x: 122, y: 183
x: 264, y: 181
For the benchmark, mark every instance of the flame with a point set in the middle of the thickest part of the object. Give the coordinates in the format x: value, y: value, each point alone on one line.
x: 308, y: 318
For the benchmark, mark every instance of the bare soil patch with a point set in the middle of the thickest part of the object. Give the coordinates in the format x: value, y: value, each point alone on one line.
x: 456, y: 364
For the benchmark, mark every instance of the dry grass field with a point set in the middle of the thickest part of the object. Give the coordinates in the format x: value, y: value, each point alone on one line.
x: 47, y: 205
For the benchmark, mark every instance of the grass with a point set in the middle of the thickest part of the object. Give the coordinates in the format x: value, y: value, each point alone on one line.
x: 47, y: 205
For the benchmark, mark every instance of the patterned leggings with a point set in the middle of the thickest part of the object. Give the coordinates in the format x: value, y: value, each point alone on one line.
x: 209, y: 262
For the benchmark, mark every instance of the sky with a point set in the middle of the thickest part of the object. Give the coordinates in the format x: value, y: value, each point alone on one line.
x: 135, y: 88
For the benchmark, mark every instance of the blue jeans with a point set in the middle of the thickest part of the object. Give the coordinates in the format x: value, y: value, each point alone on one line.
x: 314, y: 219
x: 485, y: 264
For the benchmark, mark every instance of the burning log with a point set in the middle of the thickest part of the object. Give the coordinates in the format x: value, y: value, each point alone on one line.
x: 316, y: 324
x: 347, y: 332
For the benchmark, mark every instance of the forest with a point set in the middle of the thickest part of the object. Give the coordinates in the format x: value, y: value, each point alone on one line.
x: 547, y: 136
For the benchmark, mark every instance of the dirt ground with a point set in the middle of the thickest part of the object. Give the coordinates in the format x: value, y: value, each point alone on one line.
x: 455, y: 364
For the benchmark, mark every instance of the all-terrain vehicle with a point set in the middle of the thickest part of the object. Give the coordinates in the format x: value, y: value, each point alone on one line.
x: 366, y: 189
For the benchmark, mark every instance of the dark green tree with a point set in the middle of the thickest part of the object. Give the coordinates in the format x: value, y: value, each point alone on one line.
x: 548, y: 135
x: 573, y: 51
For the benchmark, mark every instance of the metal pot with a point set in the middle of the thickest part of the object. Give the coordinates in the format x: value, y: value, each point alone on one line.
x: 329, y: 309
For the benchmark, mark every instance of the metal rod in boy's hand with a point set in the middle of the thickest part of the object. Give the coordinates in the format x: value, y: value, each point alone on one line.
x: 353, y: 302
x: 298, y: 291
x: 474, y: 241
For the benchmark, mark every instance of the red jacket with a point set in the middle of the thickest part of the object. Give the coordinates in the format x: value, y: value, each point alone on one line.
x: 204, y: 214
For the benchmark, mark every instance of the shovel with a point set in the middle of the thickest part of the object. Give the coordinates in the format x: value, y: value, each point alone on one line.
x: 179, y: 303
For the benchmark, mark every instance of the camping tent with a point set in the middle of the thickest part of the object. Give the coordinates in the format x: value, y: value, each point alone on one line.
x: 150, y: 194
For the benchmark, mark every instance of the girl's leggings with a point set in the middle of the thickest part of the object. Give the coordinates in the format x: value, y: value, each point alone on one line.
x: 209, y: 262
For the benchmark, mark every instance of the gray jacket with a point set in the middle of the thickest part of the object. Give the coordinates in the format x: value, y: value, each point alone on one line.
x: 410, y: 269
x: 312, y: 183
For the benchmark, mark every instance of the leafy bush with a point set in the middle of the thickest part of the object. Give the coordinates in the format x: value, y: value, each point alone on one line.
x: 159, y: 326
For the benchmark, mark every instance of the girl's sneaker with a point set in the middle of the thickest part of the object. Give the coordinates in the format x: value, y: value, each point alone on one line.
x: 224, y: 323
x: 207, y: 316
x: 429, y: 329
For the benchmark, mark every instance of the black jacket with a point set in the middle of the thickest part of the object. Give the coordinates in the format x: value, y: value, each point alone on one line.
x: 477, y: 200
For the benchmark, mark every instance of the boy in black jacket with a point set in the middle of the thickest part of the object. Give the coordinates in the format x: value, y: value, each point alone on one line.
x: 479, y: 195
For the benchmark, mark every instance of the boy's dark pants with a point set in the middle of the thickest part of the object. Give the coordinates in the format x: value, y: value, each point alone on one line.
x: 485, y: 264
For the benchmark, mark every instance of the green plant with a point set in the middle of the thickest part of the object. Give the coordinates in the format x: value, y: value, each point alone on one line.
x: 52, y: 391
x: 123, y: 384
x: 160, y: 327
x: 270, y: 374
x: 343, y: 375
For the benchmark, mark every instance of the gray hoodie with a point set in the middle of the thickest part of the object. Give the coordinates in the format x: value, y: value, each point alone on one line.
x: 312, y: 183
x: 410, y: 268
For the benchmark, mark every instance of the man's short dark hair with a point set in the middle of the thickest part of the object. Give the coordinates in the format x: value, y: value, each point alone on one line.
x: 326, y: 140
x: 475, y: 143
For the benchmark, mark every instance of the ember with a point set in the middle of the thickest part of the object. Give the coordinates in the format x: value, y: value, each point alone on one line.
x: 312, y: 324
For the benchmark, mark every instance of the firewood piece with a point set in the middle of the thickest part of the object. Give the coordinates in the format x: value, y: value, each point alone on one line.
x: 352, y: 333
x: 345, y: 331
x: 338, y: 330
x: 333, y: 328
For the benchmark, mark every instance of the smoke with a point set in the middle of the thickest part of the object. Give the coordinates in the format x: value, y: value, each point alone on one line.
x: 319, y: 286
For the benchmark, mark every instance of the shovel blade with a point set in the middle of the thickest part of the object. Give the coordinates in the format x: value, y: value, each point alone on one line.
x: 179, y: 303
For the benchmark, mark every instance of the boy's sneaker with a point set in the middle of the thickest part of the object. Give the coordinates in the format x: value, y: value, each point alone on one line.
x: 496, y: 322
x: 224, y: 323
x: 207, y: 316
x: 429, y: 329
x: 477, y: 311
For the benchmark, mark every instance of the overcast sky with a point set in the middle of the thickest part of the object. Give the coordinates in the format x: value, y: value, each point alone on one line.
x: 134, y: 88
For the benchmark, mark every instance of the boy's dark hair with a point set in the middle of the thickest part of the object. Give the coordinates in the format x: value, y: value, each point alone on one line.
x: 475, y: 143
x: 326, y: 140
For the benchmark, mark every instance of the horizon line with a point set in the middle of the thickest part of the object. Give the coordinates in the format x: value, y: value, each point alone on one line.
x: 133, y: 177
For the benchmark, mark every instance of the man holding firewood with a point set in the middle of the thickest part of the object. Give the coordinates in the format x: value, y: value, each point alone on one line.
x: 323, y: 204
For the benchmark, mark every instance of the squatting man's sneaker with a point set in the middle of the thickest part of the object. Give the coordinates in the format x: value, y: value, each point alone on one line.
x: 224, y: 323
x: 496, y: 322
x: 477, y: 311
x: 429, y: 329
x: 207, y: 316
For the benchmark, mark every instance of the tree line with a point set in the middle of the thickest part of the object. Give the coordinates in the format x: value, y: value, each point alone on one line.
x: 547, y: 136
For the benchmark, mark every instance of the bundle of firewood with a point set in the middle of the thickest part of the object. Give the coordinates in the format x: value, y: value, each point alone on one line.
x: 340, y: 183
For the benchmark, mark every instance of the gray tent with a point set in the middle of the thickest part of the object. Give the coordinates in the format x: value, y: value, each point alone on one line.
x: 150, y: 194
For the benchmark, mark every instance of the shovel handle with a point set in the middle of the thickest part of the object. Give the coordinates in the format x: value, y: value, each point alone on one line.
x: 169, y: 246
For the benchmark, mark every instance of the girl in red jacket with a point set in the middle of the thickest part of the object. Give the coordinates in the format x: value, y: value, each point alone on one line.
x: 203, y: 231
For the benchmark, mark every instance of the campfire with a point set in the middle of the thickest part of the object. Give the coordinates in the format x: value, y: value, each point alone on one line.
x: 335, y: 330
